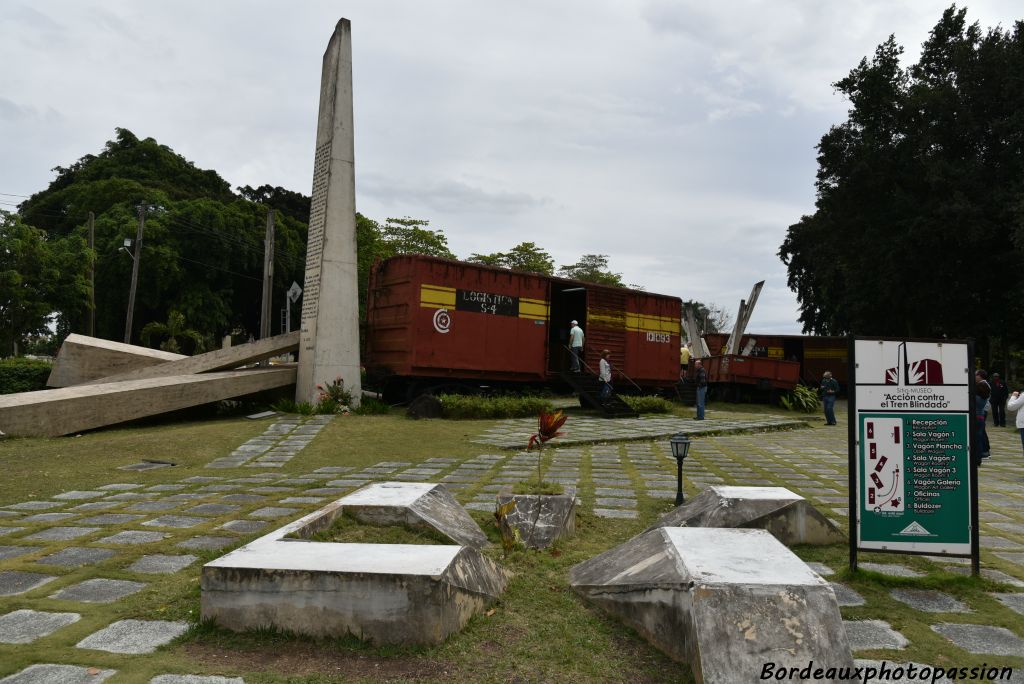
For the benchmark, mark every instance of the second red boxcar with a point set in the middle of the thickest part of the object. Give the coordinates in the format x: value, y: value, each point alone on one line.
x: 434, y: 322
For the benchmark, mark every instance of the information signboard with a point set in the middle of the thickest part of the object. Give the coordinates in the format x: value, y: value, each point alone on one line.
x: 913, y: 485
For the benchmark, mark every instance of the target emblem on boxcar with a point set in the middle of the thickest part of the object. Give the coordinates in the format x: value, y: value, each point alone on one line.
x: 442, y: 321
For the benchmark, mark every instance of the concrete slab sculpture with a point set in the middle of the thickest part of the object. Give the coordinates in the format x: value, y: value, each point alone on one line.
x: 416, y: 504
x: 788, y: 516
x: 56, y: 412
x: 330, y: 307
x: 83, y: 359
x: 154, y: 383
x: 539, y: 520
x: 727, y: 601
x: 382, y: 593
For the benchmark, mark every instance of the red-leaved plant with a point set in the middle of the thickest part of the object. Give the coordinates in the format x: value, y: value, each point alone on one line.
x: 548, y: 425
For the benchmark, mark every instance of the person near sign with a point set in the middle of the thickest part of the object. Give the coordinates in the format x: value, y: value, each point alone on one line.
x: 1016, y: 403
x: 700, y: 377
x: 575, y: 346
x: 980, y: 450
x: 829, y: 390
x: 1000, y: 393
x: 605, y: 376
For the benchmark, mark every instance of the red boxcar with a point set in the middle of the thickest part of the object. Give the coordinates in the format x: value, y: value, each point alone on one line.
x: 433, y: 322
x: 816, y: 354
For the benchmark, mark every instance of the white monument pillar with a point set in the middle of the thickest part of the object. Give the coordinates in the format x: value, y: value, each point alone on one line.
x: 329, y: 346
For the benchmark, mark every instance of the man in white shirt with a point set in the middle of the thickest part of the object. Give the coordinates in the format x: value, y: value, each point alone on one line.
x: 575, y: 346
x: 605, y: 376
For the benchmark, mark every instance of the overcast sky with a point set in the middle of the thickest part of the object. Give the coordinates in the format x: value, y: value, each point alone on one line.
x: 676, y: 137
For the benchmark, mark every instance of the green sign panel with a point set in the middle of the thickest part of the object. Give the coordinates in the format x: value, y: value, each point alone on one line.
x: 915, y: 483
x: 912, y: 479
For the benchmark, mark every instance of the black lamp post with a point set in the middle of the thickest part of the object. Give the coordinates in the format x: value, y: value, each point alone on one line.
x: 680, y: 446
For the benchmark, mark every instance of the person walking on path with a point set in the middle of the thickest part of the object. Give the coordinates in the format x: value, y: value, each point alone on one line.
x: 1016, y: 403
x: 605, y: 376
x: 829, y: 390
x: 982, y: 392
x: 1000, y: 393
x: 575, y: 346
x: 700, y: 377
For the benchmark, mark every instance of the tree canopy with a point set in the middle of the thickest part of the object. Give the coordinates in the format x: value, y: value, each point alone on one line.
x: 919, y: 219
x: 526, y: 256
x: 202, y: 249
x: 39, y: 276
x: 591, y: 268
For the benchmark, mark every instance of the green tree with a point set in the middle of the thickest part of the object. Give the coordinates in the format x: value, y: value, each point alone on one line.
x: 174, y: 335
x: 411, y: 236
x: 526, y: 256
x: 919, y: 220
x: 202, y: 251
x: 290, y: 203
x: 39, y: 277
x: 591, y: 268
x: 710, y: 317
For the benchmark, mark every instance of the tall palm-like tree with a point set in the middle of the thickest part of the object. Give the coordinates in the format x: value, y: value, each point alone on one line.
x: 175, y: 332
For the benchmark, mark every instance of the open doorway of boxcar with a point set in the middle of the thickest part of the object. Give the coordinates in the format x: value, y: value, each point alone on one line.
x: 793, y: 350
x: 568, y: 304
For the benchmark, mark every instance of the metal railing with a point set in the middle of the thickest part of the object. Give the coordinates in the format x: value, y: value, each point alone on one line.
x: 614, y: 369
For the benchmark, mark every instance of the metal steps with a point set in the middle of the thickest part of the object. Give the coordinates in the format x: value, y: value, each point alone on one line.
x: 589, y: 389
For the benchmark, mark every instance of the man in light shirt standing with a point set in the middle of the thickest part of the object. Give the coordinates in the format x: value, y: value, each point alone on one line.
x: 575, y: 346
x: 605, y: 376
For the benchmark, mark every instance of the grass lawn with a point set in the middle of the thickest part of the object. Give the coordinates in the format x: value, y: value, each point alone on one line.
x: 539, y: 631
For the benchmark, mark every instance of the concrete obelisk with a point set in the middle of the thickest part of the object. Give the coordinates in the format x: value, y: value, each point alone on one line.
x: 329, y: 346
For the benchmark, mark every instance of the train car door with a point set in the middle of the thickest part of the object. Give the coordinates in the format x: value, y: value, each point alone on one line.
x: 568, y: 304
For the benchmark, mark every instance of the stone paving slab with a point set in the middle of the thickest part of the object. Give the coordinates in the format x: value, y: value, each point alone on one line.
x: 35, y: 505
x: 7, y: 552
x: 76, y: 556
x: 175, y: 521
x: 160, y: 564
x: 846, y: 596
x: 1014, y: 602
x: 888, y: 672
x: 982, y: 639
x: 16, y: 582
x: 929, y: 601
x: 58, y: 674
x: 869, y: 635
x: 99, y: 590
x: 25, y: 626
x: 206, y: 543
x: 890, y: 570
x: 132, y: 537
x: 133, y: 636
x: 62, y: 533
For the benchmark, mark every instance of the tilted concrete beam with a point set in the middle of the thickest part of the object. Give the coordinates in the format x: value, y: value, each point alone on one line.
x: 217, y: 360
x: 84, y: 359
x: 51, y: 413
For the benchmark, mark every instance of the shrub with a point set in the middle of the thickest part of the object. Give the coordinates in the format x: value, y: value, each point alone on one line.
x: 303, y: 408
x: 373, y: 407
x: 802, y: 399
x: 23, y: 375
x: 459, y: 407
x: 648, y: 404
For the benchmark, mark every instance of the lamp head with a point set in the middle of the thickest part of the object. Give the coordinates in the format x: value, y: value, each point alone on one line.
x: 680, y: 446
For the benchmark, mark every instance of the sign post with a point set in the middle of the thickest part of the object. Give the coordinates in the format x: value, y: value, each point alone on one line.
x: 913, y: 483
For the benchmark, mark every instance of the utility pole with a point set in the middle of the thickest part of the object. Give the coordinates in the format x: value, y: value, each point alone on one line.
x: 92, y: 275
x: 268, y: 276
x: 135, y: 275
